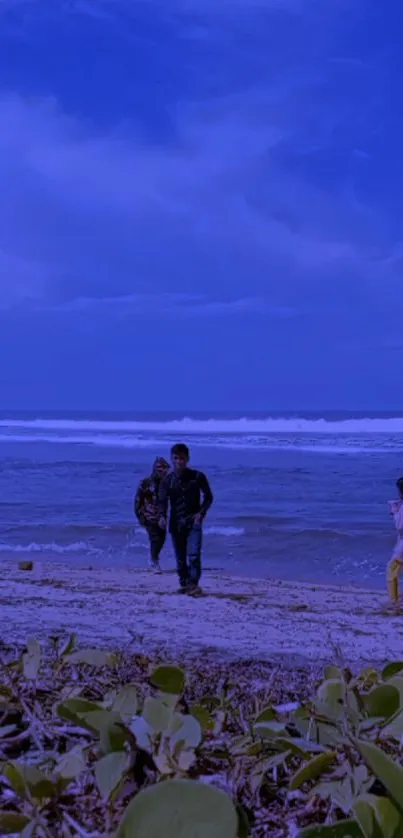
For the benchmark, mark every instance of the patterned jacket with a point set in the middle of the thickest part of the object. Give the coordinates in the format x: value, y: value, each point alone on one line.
x: 146, y: 499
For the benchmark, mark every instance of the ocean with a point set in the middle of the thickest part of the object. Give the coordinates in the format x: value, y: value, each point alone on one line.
x: 299, y: 497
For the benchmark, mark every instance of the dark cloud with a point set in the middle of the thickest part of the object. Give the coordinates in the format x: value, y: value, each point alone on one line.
x: 89, y: 214
x: 235, y: 162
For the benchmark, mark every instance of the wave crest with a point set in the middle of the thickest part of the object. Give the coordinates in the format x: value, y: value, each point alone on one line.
x: 189, y: 426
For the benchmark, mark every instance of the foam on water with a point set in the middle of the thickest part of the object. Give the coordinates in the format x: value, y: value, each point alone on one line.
x: 344, y: 436
x: 224, y: 531
x: 244, y: 425
x: 33, y: 547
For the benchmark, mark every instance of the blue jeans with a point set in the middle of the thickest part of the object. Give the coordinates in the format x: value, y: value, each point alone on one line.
x: 187, y: 544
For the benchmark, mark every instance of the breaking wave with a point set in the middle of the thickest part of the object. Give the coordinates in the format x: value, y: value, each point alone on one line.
x: 344, y: 436
x: 33, y: 547
x: 189, y: 426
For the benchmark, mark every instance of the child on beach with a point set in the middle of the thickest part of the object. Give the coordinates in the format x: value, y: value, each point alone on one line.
x: 396, y: 563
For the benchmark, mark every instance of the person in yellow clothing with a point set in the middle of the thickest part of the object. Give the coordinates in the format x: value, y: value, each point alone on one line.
x: 396, y: 563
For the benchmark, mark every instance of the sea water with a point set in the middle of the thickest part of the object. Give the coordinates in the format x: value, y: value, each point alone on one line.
x: 301, y: 497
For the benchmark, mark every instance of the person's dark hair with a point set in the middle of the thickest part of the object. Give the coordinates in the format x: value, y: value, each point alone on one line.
x: 399, y: 484
x: 180, y: 450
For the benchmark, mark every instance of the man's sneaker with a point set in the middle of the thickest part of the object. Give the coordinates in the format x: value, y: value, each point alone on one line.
x: 155, y: 567
x: 183, y: 589
x: 194, y: 590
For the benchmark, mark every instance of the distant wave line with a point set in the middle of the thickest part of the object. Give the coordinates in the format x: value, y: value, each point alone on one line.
x: 246, y: 442
x: 190, y: 426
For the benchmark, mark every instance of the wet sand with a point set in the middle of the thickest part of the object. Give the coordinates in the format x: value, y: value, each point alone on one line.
x: 237, y: 618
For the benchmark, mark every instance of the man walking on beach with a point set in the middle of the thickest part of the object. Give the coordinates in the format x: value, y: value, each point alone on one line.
x: 147, y: 512
x: 190, y: 497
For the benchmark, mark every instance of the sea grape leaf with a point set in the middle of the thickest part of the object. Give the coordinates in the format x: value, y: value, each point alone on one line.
x: 345, y: 788
x: 40, y: 786
x: 12, y: 823
x: 385, y: 769
x: 266, y: 715
x: 392, y: 669
x: 71, y: 764
x: 13, y: 773
x: 394, y: 728
x: 397, y: 682
x: 332, y: 691
x: 203, y: 716
x: 299, y: 747
x: 157, y: 715
x: 382, y: 701
x: 23, y: 776
x: 342, y: 829
x: 189, y: 733
x: 97, y: 719
x: 180, y: 809
x: 168, y: 679
x: 332, y: 673
x: 110, y: 770
x: 126, y: 702
x: 243, y: 822
x: 142, y: 732
x: 112, y: 733
x: 270, y: 730
x: 185, y: 759
x: 378, y: 817
x: 312, y: 769
x: 331, y: 698
x: 74, y: 710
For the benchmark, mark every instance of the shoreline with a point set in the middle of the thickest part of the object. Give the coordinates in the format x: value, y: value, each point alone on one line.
x: 275, y: 622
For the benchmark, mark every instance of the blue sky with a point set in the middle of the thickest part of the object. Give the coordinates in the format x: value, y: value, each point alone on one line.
x: 201, y: 204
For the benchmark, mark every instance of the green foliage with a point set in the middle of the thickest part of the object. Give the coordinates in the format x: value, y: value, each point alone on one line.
x: 75, y: 723
x: 312, y: 769
x: 12, y: 823
x: 110, y: 771
x: 382, y: 701
x: 385, y: 769
x: 168, y: 679
x: 392, y: 669
x: 180, y: 809
x: 126, y: 702
x: 378, y: 817
x: 342, y: 829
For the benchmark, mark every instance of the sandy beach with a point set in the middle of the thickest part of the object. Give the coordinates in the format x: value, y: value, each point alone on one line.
x: 237, y: 619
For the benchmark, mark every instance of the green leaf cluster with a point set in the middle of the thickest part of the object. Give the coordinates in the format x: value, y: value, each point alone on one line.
x: 144, y: 751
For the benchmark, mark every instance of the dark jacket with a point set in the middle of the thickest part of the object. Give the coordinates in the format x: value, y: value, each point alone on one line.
x: 188, y: 495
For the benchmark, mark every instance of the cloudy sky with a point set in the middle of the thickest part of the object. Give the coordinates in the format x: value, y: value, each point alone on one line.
x: 201, y: 204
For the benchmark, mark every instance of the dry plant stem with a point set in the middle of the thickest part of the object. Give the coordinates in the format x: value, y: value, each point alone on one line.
x: 78, y: 828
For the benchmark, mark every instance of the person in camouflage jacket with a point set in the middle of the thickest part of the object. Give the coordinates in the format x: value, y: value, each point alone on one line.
x: 147, y: 513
